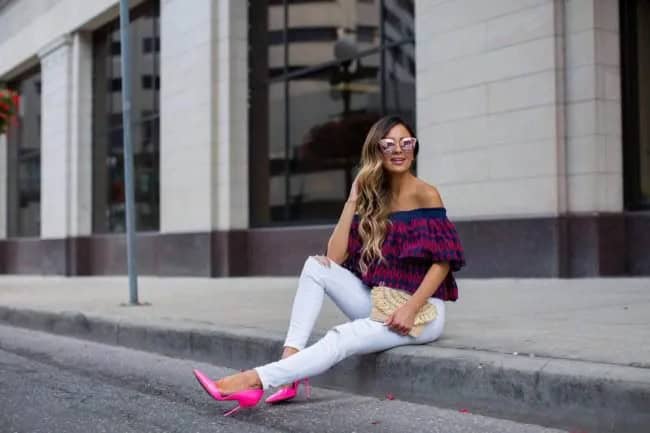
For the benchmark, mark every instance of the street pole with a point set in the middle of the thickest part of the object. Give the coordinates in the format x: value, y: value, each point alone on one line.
x: 128, y: 152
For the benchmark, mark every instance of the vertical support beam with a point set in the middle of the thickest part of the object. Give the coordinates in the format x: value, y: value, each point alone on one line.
x: 56, y: 75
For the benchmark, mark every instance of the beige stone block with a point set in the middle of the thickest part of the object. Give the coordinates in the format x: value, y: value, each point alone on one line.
x: 433, y: 49
x: 584, y: 154
x: 457, y: 135
x: 517, y: 93
x: 509, y: 62
x: 607, y: 47
x: 606, y: 15
x: 579, y: 15
x: 527, y: 125
x: 595, y: 192
x: 526, y: 25
x: 581, y: 83
x: 456, y: 104
x: 532, y: 196
x: 456, y: 167
x: 456, y: 14
x: 609, y: 118
x: 608, y: 82
x: 517, y: 160
x: 581, y: 48
x: 581, y: 118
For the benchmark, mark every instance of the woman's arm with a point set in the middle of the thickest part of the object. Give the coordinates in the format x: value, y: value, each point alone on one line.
x: 429, y: 285
x: 403, y: 319
x: 337, y: 246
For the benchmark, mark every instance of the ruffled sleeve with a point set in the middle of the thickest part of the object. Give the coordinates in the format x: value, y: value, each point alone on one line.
x: 431, y: 240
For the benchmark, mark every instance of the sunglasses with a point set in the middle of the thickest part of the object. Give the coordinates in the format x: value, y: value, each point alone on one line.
x: 388, y: 145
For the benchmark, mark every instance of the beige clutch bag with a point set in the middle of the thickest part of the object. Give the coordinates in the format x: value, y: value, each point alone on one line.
x: 386, y: 300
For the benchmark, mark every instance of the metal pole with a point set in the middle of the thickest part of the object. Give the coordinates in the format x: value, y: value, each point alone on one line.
x: 287, y: 131
x: 128, y: 151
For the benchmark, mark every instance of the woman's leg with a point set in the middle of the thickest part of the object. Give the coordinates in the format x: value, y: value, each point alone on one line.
x: 316, y: 280
x: 357, y: 337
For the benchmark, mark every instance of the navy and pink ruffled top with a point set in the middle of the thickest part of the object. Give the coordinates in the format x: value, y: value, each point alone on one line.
x: 415, y: 239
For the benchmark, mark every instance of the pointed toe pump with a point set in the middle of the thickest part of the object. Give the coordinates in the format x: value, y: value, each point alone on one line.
x: 289, y: 392
x: 244, y: 399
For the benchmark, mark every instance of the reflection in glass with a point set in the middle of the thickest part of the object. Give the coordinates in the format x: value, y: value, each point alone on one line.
x: 335, y: 74
x: 643, y: 74
x: 108, y: 155
x: 24, y: 160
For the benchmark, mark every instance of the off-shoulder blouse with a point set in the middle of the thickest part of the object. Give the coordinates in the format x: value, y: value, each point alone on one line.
x: 415, y: 239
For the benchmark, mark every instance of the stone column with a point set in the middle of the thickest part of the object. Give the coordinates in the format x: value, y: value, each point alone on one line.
x: 489, y: 105
x: 81, y: 136
x: 231, y: 117
x: 66, y: 143
x: 204, y: 125
x: 66, y: 137
x: 204, y: 146
x: 594, y: 145
x: 56, y: 73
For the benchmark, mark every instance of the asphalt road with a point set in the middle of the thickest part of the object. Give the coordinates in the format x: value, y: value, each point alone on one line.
x: 53, y: 384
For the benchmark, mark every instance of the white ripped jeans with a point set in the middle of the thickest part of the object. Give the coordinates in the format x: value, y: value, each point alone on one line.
x: 359, y: 336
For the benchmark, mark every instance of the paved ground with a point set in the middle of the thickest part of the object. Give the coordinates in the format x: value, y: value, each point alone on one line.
x: 603, y: 320
x: 59, y: 384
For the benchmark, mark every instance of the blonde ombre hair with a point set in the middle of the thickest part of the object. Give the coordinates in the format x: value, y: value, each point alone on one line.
x: 373, y: 202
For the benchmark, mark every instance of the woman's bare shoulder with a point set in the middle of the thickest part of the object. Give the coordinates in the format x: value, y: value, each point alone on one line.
x: 428, y: 195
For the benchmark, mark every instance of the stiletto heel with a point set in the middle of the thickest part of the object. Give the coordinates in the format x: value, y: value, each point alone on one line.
x: 233, y: 410
x: 245, y: 398
x: 289, y: 392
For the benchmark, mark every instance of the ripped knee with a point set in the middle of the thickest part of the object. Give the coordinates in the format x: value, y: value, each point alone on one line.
x: 322, y: 260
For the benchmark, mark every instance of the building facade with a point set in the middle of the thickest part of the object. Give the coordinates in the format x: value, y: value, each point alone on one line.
x: 533, y: 118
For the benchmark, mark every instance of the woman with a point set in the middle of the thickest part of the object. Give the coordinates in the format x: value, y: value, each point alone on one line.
x: 399, y: 237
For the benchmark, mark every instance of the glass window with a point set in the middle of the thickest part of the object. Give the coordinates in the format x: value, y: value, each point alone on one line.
x: 24, y: 159
x: 108, y: 155
x: 635, y: 50
x: 320, y: 77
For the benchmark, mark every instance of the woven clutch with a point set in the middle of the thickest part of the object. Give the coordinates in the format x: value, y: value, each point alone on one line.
x: 386, y: 300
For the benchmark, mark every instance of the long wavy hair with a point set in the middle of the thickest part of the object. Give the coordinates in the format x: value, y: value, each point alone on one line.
x: 373, y: 202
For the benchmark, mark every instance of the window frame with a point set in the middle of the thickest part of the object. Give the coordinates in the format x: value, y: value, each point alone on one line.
x: 152, y: 117
x: 261, y: 77
x: 15, y: 161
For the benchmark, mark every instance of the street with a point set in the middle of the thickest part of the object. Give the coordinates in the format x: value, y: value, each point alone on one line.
x: 53, y: 384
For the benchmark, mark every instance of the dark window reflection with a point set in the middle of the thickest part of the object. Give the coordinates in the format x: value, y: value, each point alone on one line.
x: 108, y: 156
x: 314, y: 96
x: 24, y: 160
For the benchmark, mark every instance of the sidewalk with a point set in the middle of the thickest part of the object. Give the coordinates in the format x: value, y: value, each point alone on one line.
x: 557, y: 350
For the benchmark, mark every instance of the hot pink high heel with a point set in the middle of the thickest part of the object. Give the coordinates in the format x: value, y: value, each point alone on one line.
x: 289, y: 392
x: 246, y: 398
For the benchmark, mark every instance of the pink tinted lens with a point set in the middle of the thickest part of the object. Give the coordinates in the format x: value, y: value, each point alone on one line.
x: 409, y: 143
x: 387, y: 146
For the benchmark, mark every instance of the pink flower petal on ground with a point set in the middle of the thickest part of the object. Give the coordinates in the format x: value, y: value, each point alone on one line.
x: 464, y: 411
x: 390, y: 396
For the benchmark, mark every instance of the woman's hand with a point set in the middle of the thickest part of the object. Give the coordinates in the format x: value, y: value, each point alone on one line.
x: 402, y: 320
x: 354, y: 190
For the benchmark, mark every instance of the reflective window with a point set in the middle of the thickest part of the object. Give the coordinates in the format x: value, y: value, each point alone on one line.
x: 635, y: 50
x: 24, y: 159
x: 108, y: 157
x: 321, y: 73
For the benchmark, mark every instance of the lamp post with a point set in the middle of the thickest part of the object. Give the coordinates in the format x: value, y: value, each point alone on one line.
x: 125, y: 52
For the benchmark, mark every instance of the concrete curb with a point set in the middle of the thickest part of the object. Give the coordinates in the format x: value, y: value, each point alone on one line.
x: 552, y: 392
